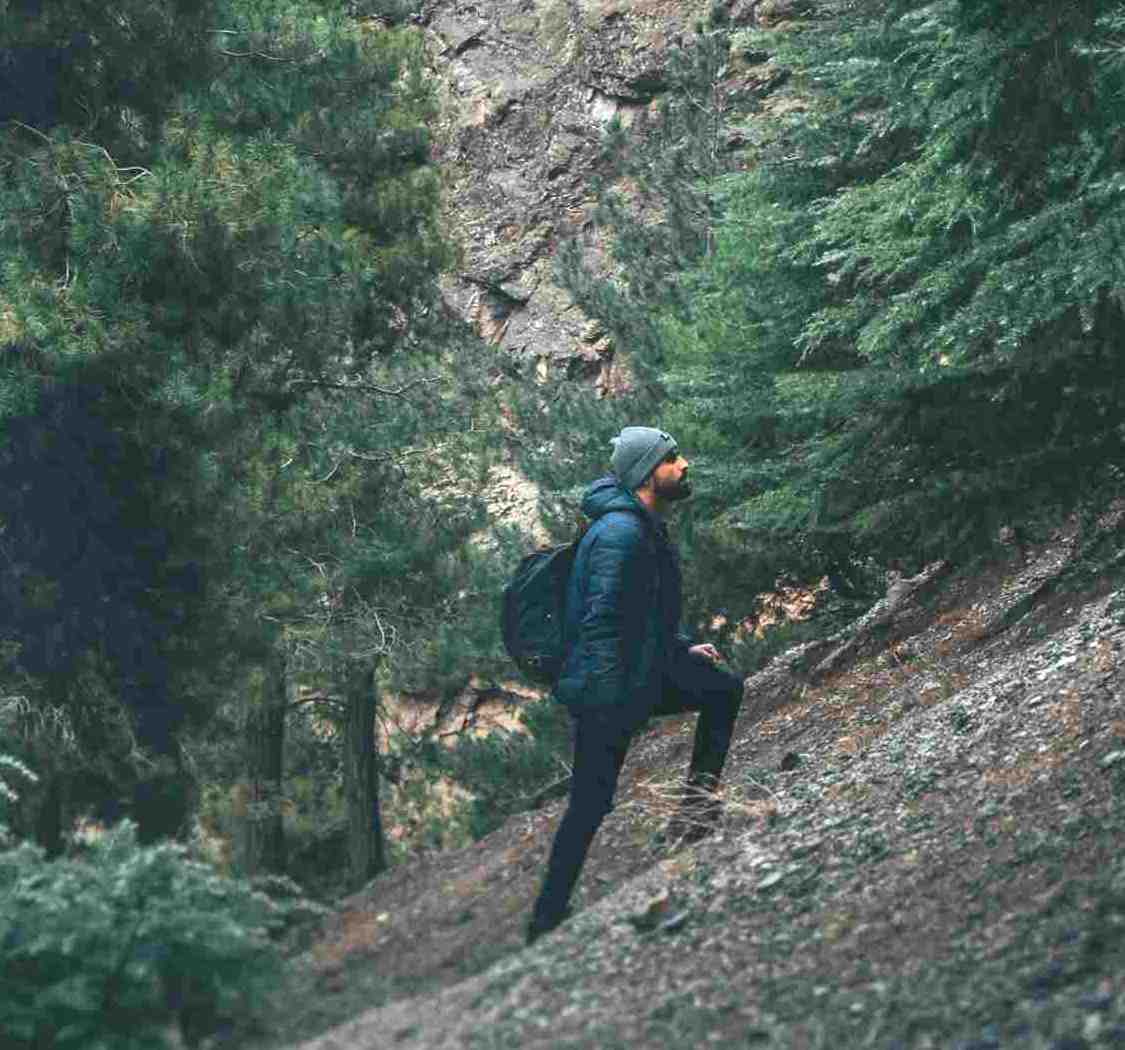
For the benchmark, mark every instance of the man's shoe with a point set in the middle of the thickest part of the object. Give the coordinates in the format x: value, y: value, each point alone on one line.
x: 540, y: 925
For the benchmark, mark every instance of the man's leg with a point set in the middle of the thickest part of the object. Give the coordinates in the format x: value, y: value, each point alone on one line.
x: 717, y: 696
x: 600, y: 743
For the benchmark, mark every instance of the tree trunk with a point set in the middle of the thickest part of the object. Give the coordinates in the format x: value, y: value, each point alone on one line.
x: 49, y: 820
x: 263, y: 835
x: 366, y: 852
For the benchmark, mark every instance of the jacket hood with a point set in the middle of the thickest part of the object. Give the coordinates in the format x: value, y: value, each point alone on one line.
x: 607, y: 494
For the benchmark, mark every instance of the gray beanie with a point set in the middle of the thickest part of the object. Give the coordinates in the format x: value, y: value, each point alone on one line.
x: 636, y: 453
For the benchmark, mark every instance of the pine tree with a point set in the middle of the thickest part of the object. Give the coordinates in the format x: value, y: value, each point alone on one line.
x: 904, y: 329
x: 223, y: 340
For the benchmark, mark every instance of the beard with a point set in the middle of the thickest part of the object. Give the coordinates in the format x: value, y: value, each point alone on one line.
x: 672, y: 490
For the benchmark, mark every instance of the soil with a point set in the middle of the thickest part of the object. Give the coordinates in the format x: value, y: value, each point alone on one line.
x: 898, y: 823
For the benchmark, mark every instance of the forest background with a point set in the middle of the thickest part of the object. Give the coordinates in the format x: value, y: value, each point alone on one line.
x: 245, y: 446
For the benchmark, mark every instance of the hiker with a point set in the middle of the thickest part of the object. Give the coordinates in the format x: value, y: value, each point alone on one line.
x: 627, y: 659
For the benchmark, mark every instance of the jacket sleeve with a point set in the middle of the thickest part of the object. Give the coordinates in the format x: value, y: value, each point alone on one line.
x: 616, y: 571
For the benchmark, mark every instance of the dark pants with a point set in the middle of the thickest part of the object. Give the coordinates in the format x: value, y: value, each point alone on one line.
x: 601, y: 740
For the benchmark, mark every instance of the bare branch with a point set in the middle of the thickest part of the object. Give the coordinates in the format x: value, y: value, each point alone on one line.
x: 366, y: 388
x: 402, y: 453
x: 326, y: 700
x: 254, y: 54
x: 27, y: 127
x: 329, y: 475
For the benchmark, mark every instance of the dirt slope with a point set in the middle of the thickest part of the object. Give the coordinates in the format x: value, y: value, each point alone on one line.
x: 939, y: 868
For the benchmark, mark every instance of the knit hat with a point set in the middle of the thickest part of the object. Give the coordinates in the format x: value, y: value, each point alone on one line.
x: 636, y: 453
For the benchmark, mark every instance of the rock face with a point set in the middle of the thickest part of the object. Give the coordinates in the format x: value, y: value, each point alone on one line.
x: 528, y: 87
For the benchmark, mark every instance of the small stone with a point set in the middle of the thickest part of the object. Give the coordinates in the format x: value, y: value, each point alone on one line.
x: 653, y: 913
x: 772, y: 879
x: 676, y: 922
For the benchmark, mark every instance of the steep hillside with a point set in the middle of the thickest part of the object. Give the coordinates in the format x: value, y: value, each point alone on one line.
x: 922, y: 848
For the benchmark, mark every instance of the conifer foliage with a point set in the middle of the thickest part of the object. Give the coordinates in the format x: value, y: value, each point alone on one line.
x: 148, y: 942
x: 905, y: 329
x: 230, y: 405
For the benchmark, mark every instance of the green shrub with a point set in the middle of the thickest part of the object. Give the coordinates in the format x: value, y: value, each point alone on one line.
x: 512, y: 772
x: 111, y: 948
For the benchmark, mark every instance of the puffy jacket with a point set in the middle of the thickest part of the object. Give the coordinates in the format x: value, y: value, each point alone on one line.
x: 623, y: 607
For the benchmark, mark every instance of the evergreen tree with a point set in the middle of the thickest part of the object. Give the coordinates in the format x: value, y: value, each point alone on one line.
x: 905, y: 329
x: 219, y: 397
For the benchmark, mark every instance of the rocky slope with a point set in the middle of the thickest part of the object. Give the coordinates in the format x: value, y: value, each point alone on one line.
x: 528, y: 87
x: 925, y: 812
x: 922, y: 847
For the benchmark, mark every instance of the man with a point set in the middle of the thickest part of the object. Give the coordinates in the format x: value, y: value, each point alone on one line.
x: 627, y: 658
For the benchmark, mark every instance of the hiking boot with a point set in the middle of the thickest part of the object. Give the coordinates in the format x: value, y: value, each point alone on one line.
x: 541, y: 925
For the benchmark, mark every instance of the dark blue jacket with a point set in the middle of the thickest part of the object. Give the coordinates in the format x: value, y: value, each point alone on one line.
x: 623, y: 607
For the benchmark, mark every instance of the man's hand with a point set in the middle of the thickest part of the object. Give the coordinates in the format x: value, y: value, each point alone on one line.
x: 707, y: 651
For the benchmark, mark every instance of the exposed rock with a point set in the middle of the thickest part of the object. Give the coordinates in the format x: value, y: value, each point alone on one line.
x: 774, y: 12
x: 528, y: 87
x: 897, y: 611
x: 804, y: 665
x: 765, y: 13
x: 513, y: 500
x: 744, y: 12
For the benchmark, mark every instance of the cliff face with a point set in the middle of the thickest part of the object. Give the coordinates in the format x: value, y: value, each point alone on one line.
x: 528, y: 87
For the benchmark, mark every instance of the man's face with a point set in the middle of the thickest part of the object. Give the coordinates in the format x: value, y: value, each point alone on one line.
x: 669, y: 480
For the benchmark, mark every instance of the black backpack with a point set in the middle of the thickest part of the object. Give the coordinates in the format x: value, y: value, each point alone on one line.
x: 533, y: 611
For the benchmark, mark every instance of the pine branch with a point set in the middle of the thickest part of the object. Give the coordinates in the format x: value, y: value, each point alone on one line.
x: 367, y: 388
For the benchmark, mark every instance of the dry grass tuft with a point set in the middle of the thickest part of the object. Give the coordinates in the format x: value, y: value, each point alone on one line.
x: 657, y: 801
x: 357, y: 936
x: 1023, y: 772
x: 1105, y: 657
x: 966, y: 628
